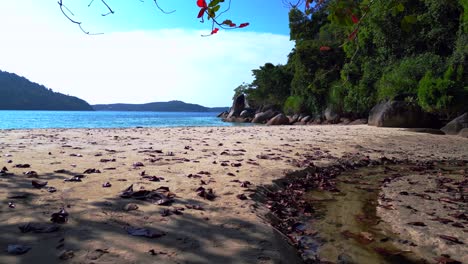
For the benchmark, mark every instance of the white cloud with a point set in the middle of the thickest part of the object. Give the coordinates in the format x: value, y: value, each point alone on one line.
x: 141, y: 66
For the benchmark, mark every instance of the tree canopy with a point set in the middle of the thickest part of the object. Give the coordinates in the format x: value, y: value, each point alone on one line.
x: 349, y: 55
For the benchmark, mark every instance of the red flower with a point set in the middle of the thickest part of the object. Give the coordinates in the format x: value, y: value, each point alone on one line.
x: 214, y: 31
x: 202, y: 3
x: 325, y: 48
x: 355, y: 19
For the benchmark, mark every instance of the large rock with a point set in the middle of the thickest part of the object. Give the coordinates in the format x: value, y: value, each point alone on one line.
x: 456, y: 125
x: 263, y: 117
x: 293, y: 119
x: 331, y: 115
x: 400, y: 114
x: 237, y: 106
x: 223, y: 114
x: 306, y: 119
x: 278, y: 120
x: 463, y: 133
x: 247, y: 113
x: 361, y: 121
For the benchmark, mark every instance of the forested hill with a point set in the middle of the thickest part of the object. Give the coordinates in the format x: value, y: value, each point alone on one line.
x: 171, y: 106
x: 18, y: 93
x: 350, y: 55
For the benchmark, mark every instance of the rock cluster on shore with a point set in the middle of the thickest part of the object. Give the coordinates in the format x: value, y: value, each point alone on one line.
x: 385, y: 114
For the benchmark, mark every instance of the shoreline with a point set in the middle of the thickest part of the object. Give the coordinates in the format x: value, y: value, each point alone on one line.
x: 228, y: 229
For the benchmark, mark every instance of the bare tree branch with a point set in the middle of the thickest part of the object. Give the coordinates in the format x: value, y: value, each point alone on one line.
x: 160, y: 9
x: 62, y: 6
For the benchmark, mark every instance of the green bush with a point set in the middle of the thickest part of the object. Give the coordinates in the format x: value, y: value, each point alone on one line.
x: 401, y: 79
x: 434, y: 93
x: 293, y: 105
x: 442, y: 95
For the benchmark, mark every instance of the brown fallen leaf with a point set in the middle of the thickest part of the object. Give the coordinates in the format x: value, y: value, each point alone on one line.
x: 451, y: 239
x: 416, y: 223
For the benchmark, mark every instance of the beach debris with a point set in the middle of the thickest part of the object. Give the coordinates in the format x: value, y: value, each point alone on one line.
x: 61, y: 171
x: 167, y: 212
x: 38, y: 228
x: 107, y: 160
x: 153, y: 178
x: 245, y: 184
x: 96, y: 254
x: 38, y: 184
x: 76, y: 178
x: 160, y: 196
x: 11, y: 205
x: 22, y: 166
x: 138, y: 164
x: 130, y: 207
x: 460, y: 216
x: 76, y: 155
x: 90, y: 171
x: 417, y: 223
x: 446, y: 260
x: 241, y: 196
x: 60, y: 217
x: 51, y: 189
x: 67, y: 254
x: 17, y: 249
x: 206, y: 193
x: 387, y: 252
x: 451, y: 239
x: 106, y: 185
x: 442, y: 220
x: 194, y: 207
x: 30, y: 174
x: 135, y: 231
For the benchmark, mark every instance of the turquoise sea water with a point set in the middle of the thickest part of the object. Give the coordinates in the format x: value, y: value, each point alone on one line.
x: 103, y: 119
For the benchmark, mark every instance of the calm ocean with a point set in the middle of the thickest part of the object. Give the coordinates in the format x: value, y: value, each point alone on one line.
x: 104, y: 119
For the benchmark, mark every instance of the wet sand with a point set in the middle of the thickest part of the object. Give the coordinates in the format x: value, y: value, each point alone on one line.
x: 228, y: 230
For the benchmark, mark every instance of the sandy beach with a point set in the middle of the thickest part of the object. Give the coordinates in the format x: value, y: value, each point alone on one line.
x: 192, y: 229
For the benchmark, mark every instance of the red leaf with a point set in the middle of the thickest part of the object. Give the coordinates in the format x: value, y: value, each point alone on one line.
x: 353, y: 34
x: 354, y: 18
x: 243, y: 25
x: 202, y: 3
x: 214, y: 31
x: 202, y: 11
x: 232, y: 25
x: 325, y: 48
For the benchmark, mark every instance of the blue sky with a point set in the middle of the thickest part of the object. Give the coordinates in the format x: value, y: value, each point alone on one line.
x: 143, y: 55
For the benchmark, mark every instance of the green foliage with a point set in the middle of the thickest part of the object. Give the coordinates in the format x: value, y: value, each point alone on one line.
x: 241, y: 89
x: 271, y: 85
x: 294, y: 104
x: 442, y: 94
x: 353, y: 53
x: 434, y: 93
x: 401, y: 79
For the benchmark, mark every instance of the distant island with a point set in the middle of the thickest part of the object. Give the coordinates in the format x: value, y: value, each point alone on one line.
x: 171, y: 106
x: 19, y: 93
